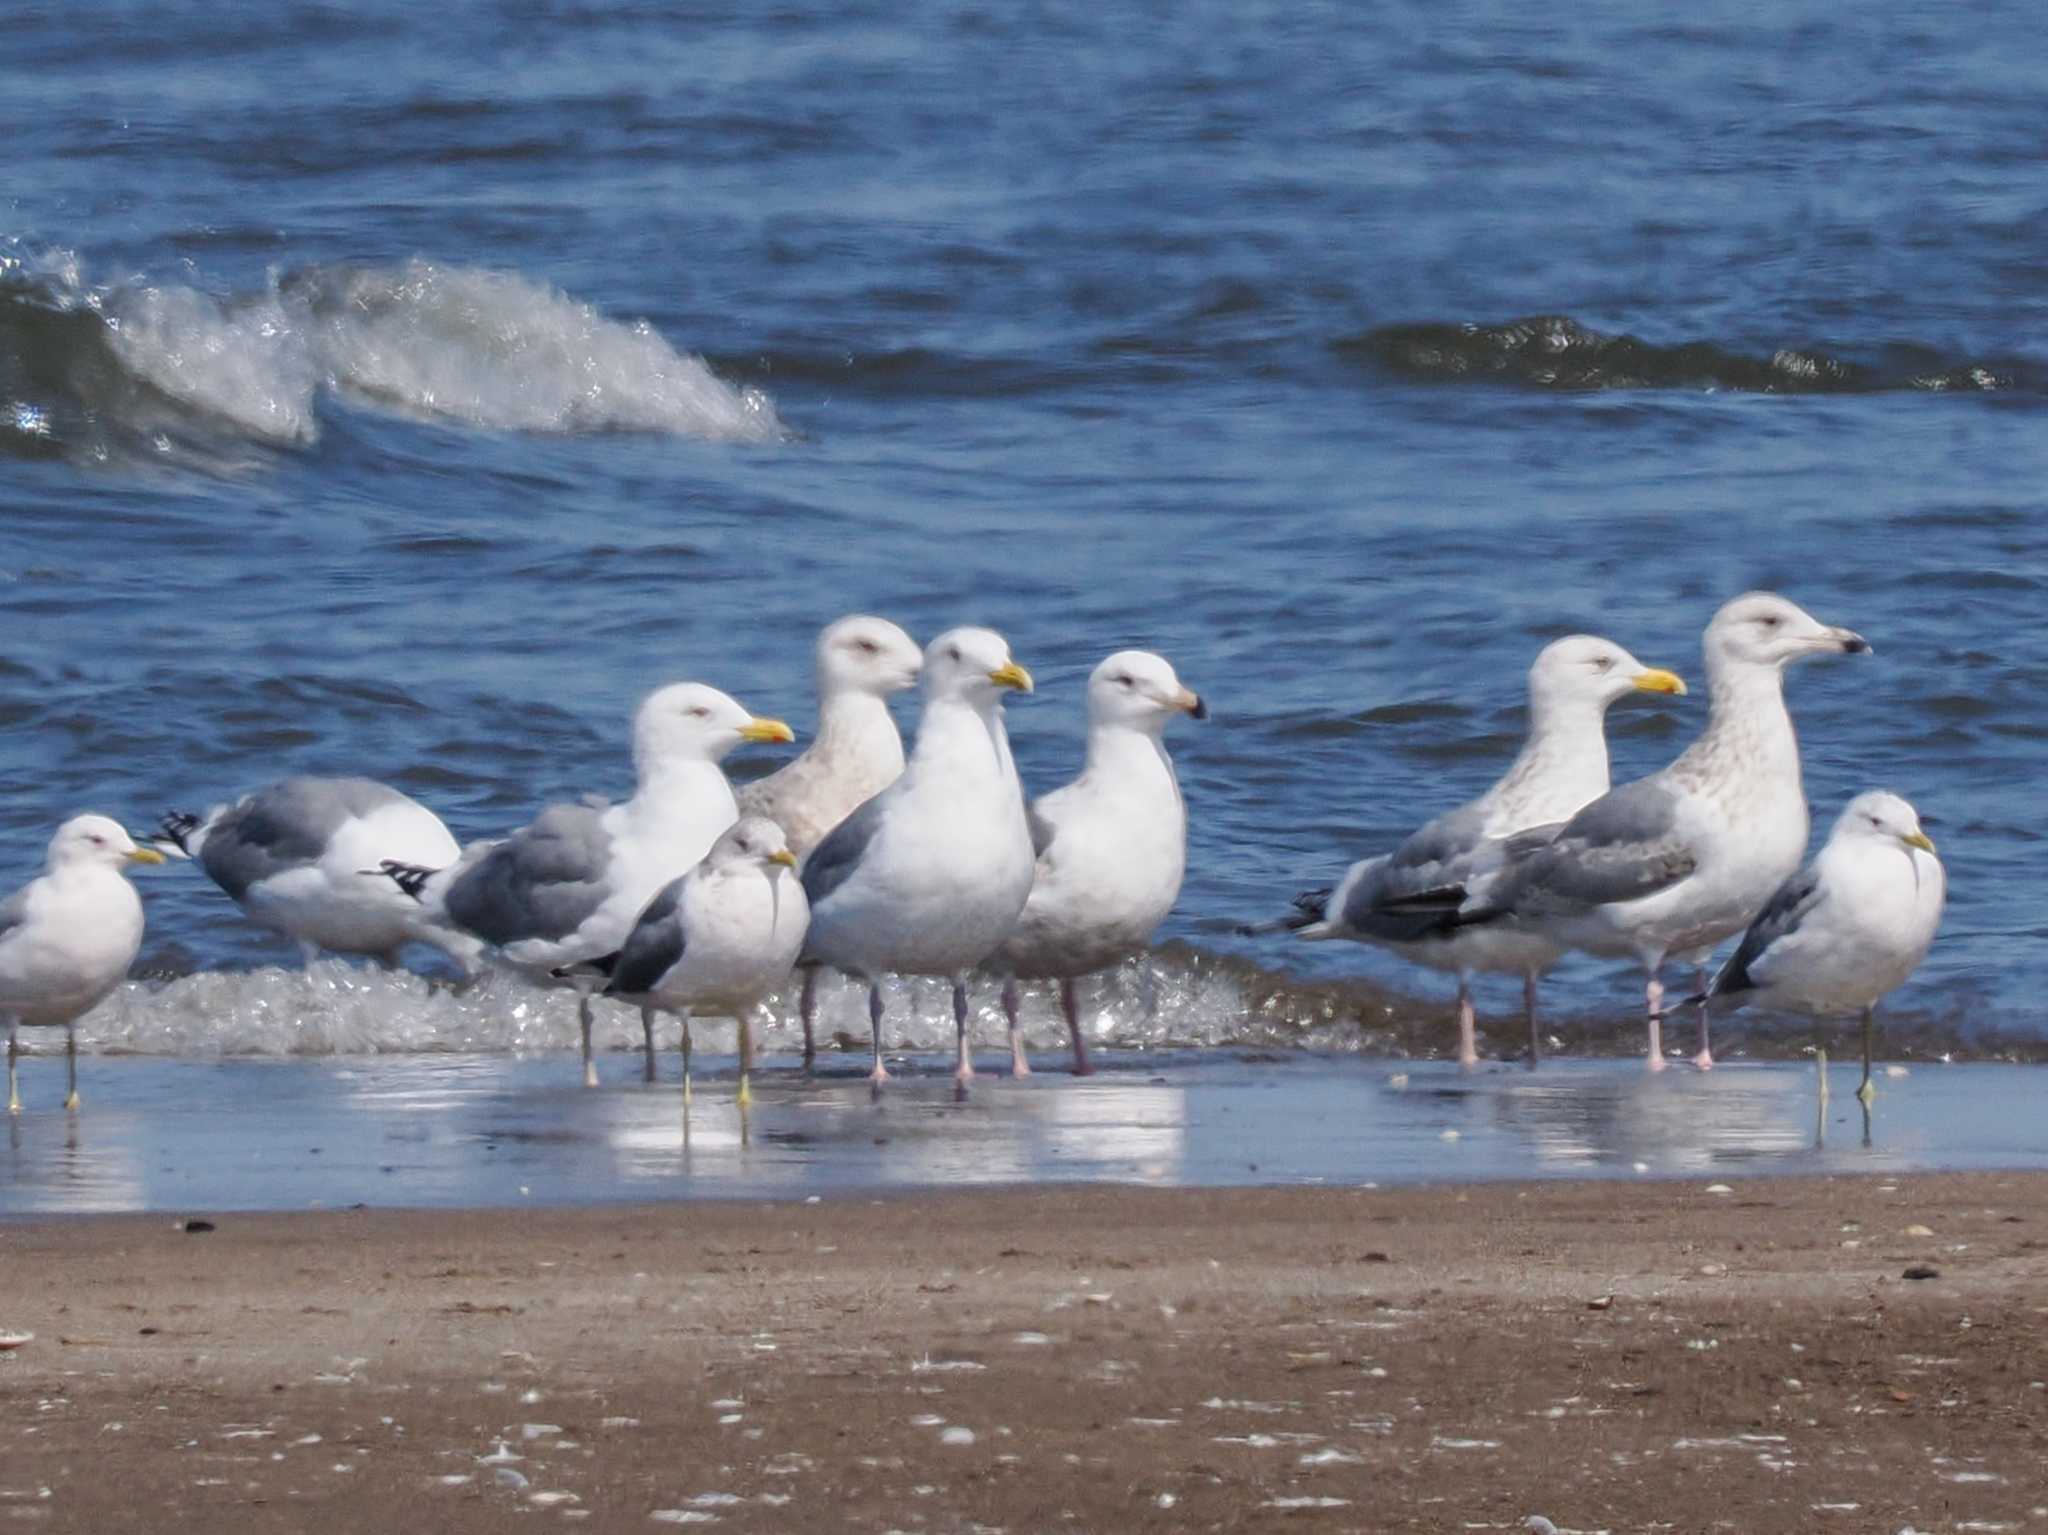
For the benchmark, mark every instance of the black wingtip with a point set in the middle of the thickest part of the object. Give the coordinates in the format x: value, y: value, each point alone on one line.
x: 176, y: 826
x: 410, y: 877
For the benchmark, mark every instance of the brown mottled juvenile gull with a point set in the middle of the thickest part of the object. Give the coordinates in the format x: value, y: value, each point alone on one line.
x: 856, y: 753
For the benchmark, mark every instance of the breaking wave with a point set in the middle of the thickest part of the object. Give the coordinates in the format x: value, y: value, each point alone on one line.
x: 1556, y: 352
x: 128, y: 371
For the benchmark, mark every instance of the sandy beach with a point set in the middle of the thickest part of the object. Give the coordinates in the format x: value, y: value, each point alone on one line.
x: 1674, y: 1355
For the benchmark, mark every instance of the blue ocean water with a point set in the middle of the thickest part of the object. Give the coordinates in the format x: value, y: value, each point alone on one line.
x: 406, y: 389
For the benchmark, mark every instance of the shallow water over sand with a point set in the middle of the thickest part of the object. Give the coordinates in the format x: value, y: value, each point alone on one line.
x: 177, y: 1135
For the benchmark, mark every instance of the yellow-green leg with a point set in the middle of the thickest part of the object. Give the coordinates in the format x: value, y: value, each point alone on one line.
x: 746, y: 1094
x: 13, y: 1054
x: 583, y: 1017
x: 686, y: 1057
x: 71, y: 1067
x: 1868, y: 1091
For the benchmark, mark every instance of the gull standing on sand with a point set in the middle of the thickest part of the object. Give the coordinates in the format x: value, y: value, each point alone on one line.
x: 1847, y: 928
x: 1674, y: 863
x: 856, y: 753
x: 928, y: 876
x: 1112, y: 845
x: 569, y: 886
x: 67, y: 938
x: 294, y: 856
x: 718, y: 939
x: 1562, y: 766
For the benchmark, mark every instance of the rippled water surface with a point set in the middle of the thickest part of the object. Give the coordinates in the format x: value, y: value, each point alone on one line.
x: 406, y: 389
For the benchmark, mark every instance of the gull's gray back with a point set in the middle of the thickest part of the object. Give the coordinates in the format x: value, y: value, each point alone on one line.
x: 543, y: 881
x: 1623, y: 846
x: 284, y: 826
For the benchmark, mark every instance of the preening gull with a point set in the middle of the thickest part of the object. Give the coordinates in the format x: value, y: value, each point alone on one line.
x: 1674, y: 863
x: 294, y: 856
x: 1112, y: 845
x: 68, y: 936
x: 718, y: 939
x: 1847, y: 928
x: 570, y: 885
x: 928, y: 876
x: 856, y: 753
x: 1562, y: 766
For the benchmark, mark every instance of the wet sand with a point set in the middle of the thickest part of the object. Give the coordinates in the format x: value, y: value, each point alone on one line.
x: 1606, y: 1355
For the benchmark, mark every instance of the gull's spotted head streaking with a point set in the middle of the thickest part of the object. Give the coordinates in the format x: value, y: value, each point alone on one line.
x: 971, y: 666
x: 1585, y: 669
x: 1764, y: 630
x: 688, y: 721
x: 865, y: 654
x: 1880, y: 816
x: 1139, y: 690
x: 86, y: 840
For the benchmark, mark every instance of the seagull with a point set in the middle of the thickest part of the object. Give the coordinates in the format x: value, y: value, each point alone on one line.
x: 1847, y: 928
x: 292, y: 855
x: 856, y: 753
x: 1562, y: 765
x: 1112, y: 845
x: 719, y: 938
x: 568, y: 886
x: 928, y: 877
x: 68, y: 936
x: 1674, y: 863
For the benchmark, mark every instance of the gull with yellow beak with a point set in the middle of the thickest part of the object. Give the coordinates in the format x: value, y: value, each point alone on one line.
x: 68, y: 936
x: 1112, y: 845
x: 718, y: 939
x: 1562, y: 766
x: 1848, y: 928
x: 928, y: 877
x: 569, y: 886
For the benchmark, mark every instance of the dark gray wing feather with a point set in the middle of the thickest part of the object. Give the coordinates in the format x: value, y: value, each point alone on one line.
x: 283, y: 827
x: 1416, y: 889
x: 654, y: 946
x: 1622, y: 847
x: 543, y: 881
x: 13, y: 911
x: 833, y: 861
x: 1781, y: 916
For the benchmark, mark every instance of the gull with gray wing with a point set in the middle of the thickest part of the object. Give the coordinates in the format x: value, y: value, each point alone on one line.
x: 1562, y: 765
x: 928, y: 877
x: 1112, y: 845
x: 1674, y: 863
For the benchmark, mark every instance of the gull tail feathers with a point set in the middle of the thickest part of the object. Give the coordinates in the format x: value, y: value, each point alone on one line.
x: 410, y: 877
x: 1309, y: 911
x: 176, y: 828
x: 600, y: 968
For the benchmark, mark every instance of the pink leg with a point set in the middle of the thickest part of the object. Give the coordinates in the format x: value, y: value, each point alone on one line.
x: 1070, y: 1003
x: 1468, y: 1026
x: 880, y: 1074
x: 963, y: 1070
x: 1020, y: 1066
x: 1653, y: 995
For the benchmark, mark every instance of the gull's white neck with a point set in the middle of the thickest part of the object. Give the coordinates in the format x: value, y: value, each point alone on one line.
x: 690, y: 788
x: 1130, y: 761
x: 965, y: 742
x: 1562, y: 766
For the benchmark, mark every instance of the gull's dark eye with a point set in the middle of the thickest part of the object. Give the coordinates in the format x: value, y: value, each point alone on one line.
x: 1604, y: 663
x: 866, y: 647
x: 698, y: 712
x: 952, y: 652
x: 1122, y: 680
x: 1769, y: 620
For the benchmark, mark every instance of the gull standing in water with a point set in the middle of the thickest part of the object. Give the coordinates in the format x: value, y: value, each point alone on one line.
x: 1674, y: 863
x: 928, y: 877
x: 67, y: 938
x: 570, y: 885
x: 298, y: 857
x: 720, y: 938
x: 1847, y: 928
x: 856, y: 753
x: 1562, y: 766
x: 1112, y: 845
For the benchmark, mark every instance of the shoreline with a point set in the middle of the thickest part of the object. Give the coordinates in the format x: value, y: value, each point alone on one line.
x: 1602, y: 1354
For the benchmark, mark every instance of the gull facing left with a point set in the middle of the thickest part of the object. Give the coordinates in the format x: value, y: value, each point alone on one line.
x: 68, y: 936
